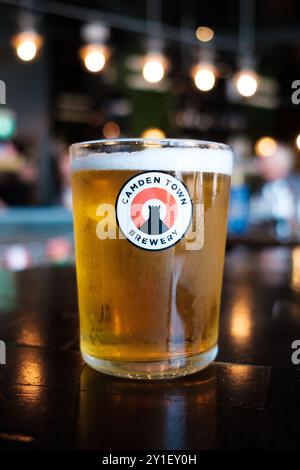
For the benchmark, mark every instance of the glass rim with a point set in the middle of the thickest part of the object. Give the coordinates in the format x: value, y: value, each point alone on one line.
x: 151, y: 142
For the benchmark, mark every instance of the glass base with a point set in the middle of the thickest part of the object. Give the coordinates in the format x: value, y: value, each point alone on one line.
x: 169, y: 369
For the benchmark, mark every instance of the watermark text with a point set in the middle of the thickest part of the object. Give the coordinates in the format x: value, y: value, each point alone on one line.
x: 2, y: 352
x: 106, y: 227
x: 296, y: 354
x: 150, y: 459
x: 296, y: 94
x: 2, y: 92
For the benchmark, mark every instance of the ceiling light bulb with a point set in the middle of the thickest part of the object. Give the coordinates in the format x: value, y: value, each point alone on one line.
x: 246, y: 83
x: 27, y: 45
x: 204, y: 77
x: 154, y: 69
x: 94, y: 57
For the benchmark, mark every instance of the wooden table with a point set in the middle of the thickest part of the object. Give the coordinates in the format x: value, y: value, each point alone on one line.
x: 249, y: 398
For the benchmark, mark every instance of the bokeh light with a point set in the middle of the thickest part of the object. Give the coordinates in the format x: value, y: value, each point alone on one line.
x: 204, y: 34
x: 17, y: 258
x: 154, y: 68
x: 27, y: 45
x: 204, y: 77
x: 111, y: 130
x: 246, y: 83
x: 7, y: 124
x: 265, y: 147
x: 94, y: 57
x: 153, y: 133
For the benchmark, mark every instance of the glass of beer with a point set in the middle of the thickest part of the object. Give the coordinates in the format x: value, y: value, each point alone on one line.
x: 150, y: 220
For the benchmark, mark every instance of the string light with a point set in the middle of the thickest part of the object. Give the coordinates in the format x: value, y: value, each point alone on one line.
x: 204, y: 34
x: 204, y: 76
x: 153, y: 133
x: 246, y: 82
x: 154, y: 68
x: 265, y: 147
x: 94, y: 57
x: 27, y: 45
x: 95, y: 53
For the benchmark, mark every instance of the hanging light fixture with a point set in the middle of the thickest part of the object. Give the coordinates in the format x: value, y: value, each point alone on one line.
x: 154, y: 67
x: 95, y: 53
x: 246, y: 79
x: 155, y: 63
x: 27, y: 42
x: 204, y: 72
x: 94, y: 57
x: 204, y: 76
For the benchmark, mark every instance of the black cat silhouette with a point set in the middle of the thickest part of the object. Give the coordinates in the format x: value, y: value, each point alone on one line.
x: 154, y: 225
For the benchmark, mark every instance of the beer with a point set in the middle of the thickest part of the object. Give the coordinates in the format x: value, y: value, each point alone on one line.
x: 149, y: 291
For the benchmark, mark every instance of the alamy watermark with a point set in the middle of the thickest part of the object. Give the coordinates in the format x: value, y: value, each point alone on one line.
x: 2, y: 352
x: 296, y: 354
x: 106, y: 228
x: 2, y: 92
x: 296, y: 94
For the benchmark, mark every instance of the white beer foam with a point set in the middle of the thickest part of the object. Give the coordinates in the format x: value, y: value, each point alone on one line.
x: 162, y: 159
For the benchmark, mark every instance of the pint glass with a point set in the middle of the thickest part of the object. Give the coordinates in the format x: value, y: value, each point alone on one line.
x: 150, y: 220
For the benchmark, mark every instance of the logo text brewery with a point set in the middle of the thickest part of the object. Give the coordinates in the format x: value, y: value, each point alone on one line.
x: 154, y: 210
x: 2, y: 92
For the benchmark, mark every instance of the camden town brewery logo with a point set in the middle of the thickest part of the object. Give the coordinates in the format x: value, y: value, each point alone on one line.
x: 154, y: 210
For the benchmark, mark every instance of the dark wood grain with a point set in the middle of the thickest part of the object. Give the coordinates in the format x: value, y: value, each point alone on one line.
x: 249, y: 398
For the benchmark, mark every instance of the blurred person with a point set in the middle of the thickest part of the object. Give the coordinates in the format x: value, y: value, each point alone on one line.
x: 278, y: 200
x: 238, y: 217
x: 277, y: 166
x: 18, y: 183
x: 62, y: 175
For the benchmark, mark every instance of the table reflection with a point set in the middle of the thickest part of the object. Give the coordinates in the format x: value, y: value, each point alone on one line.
x: 241, y: 319
x: 146, y: 415
x: 295, y: 277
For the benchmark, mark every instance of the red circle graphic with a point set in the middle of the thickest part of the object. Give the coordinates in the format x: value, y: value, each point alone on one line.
x: 153, y: 193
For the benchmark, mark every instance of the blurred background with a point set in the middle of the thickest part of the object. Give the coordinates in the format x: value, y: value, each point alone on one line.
x: 224, y: 71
